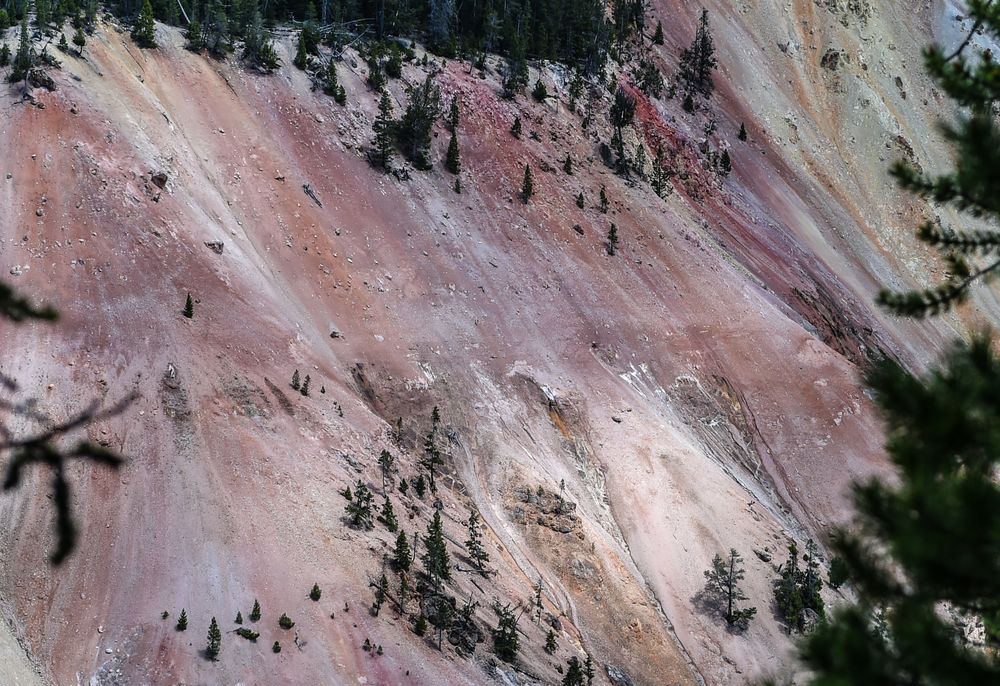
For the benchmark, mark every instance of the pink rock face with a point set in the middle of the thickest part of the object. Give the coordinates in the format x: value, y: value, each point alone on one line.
x: 699, y: 390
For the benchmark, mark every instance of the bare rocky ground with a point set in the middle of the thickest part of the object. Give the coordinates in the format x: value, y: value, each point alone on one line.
x: 698, y: 391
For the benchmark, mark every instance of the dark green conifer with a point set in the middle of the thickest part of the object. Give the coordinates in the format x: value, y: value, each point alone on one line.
x: 315, y: 593
x: 301, y: 59
x: 182, y: 621
x: 437, y: 562
x: 580, y: 201
x: 742, y: 135
x: 515, y: 129
x: 144, y: 31
x: 189, y: 307
x: 401, y: 555
x: 255, y: 612
x: 214, y: 640
x: 453, y: 162
x: 527, y: 185
x: 658, y: 35
x: 612, y: 244
x: 384, y: 128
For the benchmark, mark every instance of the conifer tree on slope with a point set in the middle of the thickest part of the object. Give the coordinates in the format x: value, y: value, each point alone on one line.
x: 698, y: 62
x: 144, y: 31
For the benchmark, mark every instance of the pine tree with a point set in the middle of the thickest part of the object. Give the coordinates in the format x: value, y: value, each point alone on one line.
x: 43, y: 13
x: 612, y: 244
x: 568, y: 165
x: 788, y: 590
x: 189, y: 307
x: 296, y: 383
x: 215, y: 29
x: 417, y: 124
x: 316, y: 593
x: 305, y: 386
x: 214, y: 640
x: 4, y: 54
x: 381, y: 591
x: 144, y: 31
x: 506, y: 642
x: 437, y: 562
x: 722, y: 588
x: 622, y: 110
x: 527, y: 185
x: 331, y: 84
x: 255, y: 612
x: 239, y: 617
x: 698, y: 61
x: 688, y: 103
x: 537, y: 601
x: 386, y: 463
x: 515, y: 129
x: 604, y: 200
x: 285, y: 622
x: 359, y: 508
x: 301, y: 59
x: 24, y: 58
x: 257, y: 49
x: 550, y: 642
x: 839, y: 574
x: 453, y: 163
x: 401, y: 555
x: 420, y: 486
x: 539, y: 92
x: 276, y: 648
x: 574, y: 673
x: 79, y: 40
x: 388, y: 517
x: 376, y: 78
x: 458, y: 185
x: 182, y: 621
x: 432, y: 453
x: 580, y: 202
x: 658, y: 36
x: 474, y: 544
x: 195, y: 40
x: 725, y: 163
x: 420, y: 626
x: 63, y: 45
x: 742, y: 135
x: 812, y: 582
x: 384, y: 128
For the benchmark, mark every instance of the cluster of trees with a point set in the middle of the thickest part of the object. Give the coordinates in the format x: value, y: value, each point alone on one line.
x: 796, y: 590
x: 213, y: 646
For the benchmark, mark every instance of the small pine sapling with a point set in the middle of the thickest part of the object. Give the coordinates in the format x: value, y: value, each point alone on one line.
x: 189, y: 307
x: 239, y: 617
x: 612, y: 244
x: 315, y: 594
x: 296, y: 383
x: 285, y: 622
x: 182, y: 621
x: 214, y: 640
x: 604, y: 200
x: 305, y: 386
x: 276, y: 648
x: 527, y: 185
x: 515, y: 130
x: 255, y: 612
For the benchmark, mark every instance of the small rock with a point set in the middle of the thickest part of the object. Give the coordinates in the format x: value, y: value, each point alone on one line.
x: 215, y: 246
x: 108, y: 651
x: 159, y: 178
